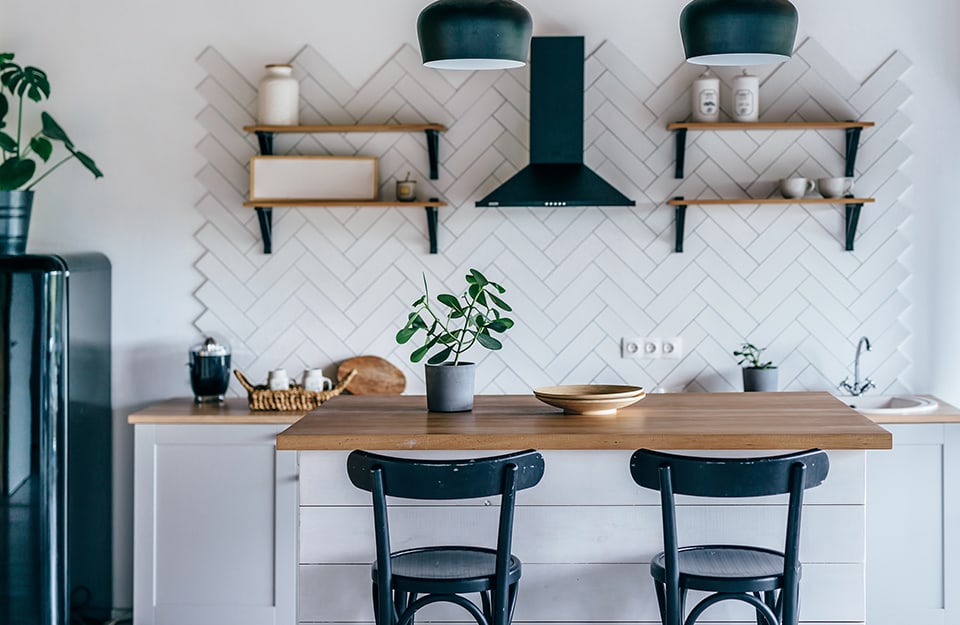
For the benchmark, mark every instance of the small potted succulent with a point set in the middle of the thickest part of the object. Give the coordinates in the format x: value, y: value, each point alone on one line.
x: 468, y: 319
x: 757, y: 375
x: 21, y: 150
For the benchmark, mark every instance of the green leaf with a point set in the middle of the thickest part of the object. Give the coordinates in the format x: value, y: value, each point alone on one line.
x: 440, y: 356
x: 53, y: 130
x: 450, y: 301
x: 7, y: 143
x: 42, y: 147
x: 4, y: 109
x: 6, y: 57
x: 447, y: 338
x: 419, y: 353
x: 16, y: 172
x: 500, y: 303
x: 499, y: 288
x: 489, y: 342
x: 473, y: 291
x: 87, y: 162
x: 500, y: 325
x: 478, y: 277
x: 470, y: 279
x: 405, y: 334
x: 482, y: 298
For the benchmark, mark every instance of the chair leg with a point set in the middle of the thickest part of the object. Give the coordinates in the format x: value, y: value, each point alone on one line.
x: 661, y: 601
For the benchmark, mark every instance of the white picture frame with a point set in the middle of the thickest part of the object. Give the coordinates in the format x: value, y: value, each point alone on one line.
x: 305, y: 177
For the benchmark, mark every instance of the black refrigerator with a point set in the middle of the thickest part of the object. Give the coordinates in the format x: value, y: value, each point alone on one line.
x: 55, y: 439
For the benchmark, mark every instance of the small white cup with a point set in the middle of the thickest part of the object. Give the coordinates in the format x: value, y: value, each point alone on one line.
x: 794, y: 188
x: 834, y: 187
x: 278, y: 380
x: 314, y: 380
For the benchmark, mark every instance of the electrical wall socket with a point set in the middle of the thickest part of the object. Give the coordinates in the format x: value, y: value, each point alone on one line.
x: 651, y: 347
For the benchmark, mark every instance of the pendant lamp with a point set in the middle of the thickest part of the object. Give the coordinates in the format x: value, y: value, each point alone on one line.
x: 474, y: 34
x: 738, y: 32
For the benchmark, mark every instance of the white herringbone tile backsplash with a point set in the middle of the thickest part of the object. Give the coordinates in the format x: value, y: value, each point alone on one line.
x: 340, y: 280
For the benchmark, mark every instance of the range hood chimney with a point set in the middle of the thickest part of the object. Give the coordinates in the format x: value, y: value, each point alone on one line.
x: 556, y: 175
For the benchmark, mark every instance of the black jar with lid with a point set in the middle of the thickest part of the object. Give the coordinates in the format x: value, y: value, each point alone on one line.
x: 209, y: 370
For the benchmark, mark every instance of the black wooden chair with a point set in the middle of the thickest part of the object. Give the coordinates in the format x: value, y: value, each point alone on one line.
x: 766, y: 579
x: 406, y: 581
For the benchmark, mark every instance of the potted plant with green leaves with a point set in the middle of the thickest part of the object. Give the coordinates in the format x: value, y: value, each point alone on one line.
x: 452, y: 325
x: 757, y: 375
x: 21, y: 149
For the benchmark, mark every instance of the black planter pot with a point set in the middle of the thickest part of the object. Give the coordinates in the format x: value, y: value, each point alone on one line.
x: 15, y: 207
x: 762, y: 380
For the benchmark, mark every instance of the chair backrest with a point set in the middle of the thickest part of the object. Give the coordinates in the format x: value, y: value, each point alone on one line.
x: 673, y: 474
x: 411, y: 478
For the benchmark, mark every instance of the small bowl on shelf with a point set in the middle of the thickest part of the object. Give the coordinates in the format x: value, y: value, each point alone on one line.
x: 590, y: 399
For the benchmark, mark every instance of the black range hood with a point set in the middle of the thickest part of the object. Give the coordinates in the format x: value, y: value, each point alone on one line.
x: 556, y: 175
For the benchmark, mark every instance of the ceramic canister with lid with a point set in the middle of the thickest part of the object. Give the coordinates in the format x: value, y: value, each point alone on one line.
x: 209, y: 370
x: 746, y: 98
x: 705, y: 94
x: 278, y: 97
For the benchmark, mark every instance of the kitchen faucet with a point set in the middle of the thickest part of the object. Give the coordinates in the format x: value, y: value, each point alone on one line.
x: 858, y: 388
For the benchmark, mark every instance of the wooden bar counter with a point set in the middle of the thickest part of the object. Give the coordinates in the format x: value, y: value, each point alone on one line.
x: 662, y: 421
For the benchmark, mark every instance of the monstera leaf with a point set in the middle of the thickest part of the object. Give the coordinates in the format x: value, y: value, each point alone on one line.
x: 16, y: 172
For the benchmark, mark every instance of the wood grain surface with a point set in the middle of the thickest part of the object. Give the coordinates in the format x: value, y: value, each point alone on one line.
x: 375, y: 376
x: 660, y: 421
x: 235, y: 410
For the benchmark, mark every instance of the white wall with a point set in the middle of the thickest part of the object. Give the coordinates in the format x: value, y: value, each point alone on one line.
x: 123, y: 77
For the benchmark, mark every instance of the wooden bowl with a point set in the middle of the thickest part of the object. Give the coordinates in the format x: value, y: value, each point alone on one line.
x: 589, y: 399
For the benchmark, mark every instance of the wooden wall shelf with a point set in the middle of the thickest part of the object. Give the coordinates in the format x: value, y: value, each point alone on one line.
x: 851, y: 217
x: 265, y: 137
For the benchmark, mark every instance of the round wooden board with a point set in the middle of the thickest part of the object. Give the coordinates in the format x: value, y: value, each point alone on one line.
x: 375, y: 376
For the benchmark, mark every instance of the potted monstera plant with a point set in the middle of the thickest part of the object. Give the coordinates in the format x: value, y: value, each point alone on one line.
x: 451, y: 326
x: 757, y: 375
x: 21, y: 149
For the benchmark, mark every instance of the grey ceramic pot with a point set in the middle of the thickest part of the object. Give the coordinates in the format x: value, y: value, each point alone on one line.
x: 450, y: 387
x: 15, y: 207
x: 762, y: 380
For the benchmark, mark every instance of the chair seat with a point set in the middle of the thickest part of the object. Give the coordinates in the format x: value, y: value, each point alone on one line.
x: 448, y: 569
x: 725, y: 568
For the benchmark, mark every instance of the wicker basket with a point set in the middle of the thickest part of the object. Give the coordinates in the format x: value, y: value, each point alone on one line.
x: 294, y: 399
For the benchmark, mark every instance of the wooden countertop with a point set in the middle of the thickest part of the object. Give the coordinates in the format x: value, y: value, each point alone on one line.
x: 235, y: 410
x: 660, y: 421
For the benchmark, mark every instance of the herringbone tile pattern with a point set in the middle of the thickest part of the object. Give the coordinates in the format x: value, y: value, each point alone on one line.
x: 340, y: 280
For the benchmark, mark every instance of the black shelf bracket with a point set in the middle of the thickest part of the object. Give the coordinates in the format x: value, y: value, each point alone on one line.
x: 433, y: 149
x: 851, y: 219
x: 432, y: 221
x: 265, y: 213
x: 265, y: 217
x: 679, y: 219
x: 853, y: 143
x: 680, y: 137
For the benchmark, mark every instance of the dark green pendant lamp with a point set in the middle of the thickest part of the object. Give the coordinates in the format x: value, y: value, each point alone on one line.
x: 474, y: 34
x: 738, y: 32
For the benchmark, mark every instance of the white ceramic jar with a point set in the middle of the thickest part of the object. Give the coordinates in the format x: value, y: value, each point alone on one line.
x: 746, y: 98
x: 706, y: 98
x: 278, y: 97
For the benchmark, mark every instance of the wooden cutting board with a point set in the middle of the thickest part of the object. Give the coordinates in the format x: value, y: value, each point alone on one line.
x: 375, y: 376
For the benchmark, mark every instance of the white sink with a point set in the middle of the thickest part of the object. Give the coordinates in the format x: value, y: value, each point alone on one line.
x: 891, y: 404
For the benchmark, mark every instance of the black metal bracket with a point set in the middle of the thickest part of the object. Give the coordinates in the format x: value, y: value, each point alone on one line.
x: 265, y: 213
x: 679, y: 219
x: 433, y: 150
x: 853, y: 143
x: 680, y: 136
x: 432, y: 222
x: 851, y: 219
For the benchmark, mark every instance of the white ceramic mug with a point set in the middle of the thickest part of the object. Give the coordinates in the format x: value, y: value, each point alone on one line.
x: 794, y: 188
x: 314, y: 380
x: 835, y: 187
x: 278, y: 380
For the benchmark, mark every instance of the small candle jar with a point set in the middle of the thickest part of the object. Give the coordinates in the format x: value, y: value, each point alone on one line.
x: 406, y: 190
x: 746, y: 98
x: 706, y: 98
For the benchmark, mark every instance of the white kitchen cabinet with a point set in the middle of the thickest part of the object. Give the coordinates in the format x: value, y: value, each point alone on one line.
x: 215, y: 526
x: 913, y: 527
